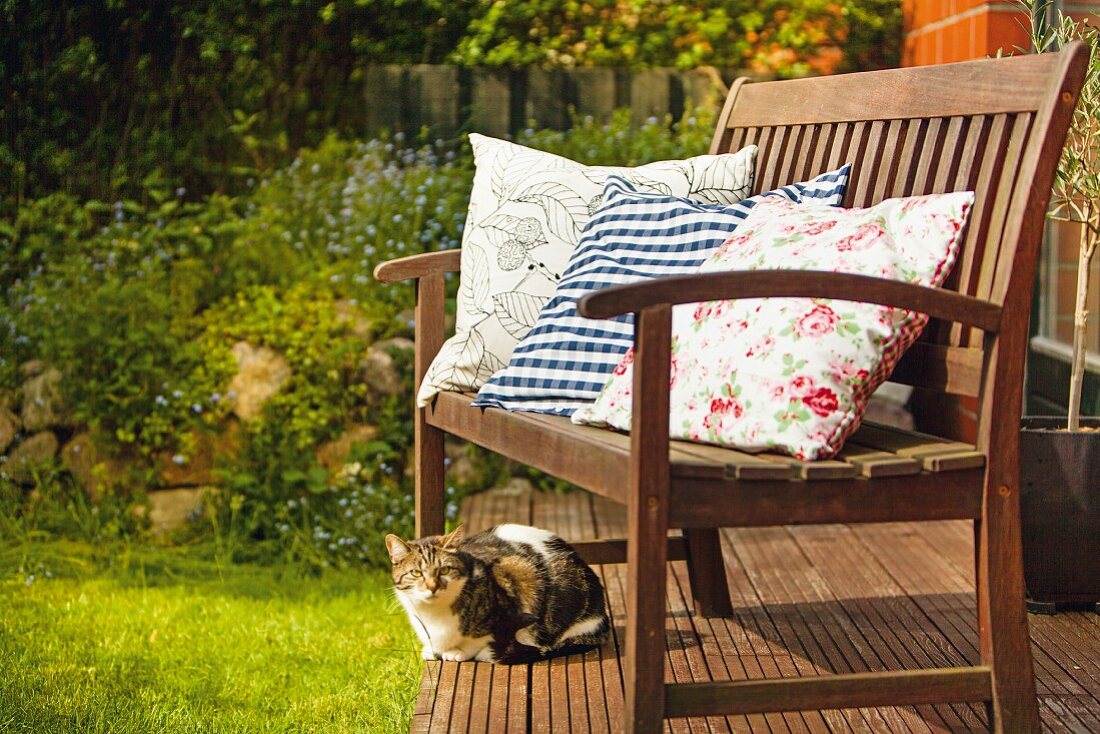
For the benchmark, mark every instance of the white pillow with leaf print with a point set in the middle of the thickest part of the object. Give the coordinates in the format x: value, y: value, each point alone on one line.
x: 527, y: 210
x: 794, y: 374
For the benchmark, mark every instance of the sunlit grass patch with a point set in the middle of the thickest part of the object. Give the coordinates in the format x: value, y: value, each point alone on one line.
x: 156, y: 641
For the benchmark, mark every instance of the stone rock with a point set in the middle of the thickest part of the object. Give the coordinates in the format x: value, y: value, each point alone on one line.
x: 173, y: 508
x: 349, y: 314
x: 379, y: 370
x: 10, y: 399
x: 29, y: 455
x: 93, y: 469
x: 261, y: 373
x: 42, y: 406
x: 333, y: 455
x: 205, y: 450
x: 9, y: 427
x: 33, y: 368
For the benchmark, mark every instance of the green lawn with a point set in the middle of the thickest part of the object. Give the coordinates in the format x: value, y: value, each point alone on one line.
x: 151, y: 640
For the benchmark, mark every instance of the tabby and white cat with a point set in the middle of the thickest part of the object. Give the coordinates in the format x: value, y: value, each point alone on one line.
x: 513, y: 594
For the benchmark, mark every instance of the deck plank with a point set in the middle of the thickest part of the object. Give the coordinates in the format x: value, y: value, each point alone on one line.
x: 769, y: 575
x: 587, y: 671
x: 806, y: 600
x: 898, y: 632
x: 549, y: 696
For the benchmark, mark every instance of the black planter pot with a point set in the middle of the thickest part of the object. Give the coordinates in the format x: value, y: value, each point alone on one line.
x: 1060, y: 509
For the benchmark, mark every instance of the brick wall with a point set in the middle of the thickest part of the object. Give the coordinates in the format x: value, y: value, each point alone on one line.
x: 942, y: 31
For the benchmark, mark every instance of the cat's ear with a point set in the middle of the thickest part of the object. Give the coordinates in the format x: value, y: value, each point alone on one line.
x: 453, y: 538
x: 398, y: 548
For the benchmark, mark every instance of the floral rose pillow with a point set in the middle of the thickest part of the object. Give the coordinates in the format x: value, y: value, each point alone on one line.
x: 794, y: 374
x: 527, y: 211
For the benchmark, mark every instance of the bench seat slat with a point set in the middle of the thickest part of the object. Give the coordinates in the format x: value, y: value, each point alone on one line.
x: 875, y: 463
x: 597, y: 458
x: 820, y: 469
x: 713, y: 486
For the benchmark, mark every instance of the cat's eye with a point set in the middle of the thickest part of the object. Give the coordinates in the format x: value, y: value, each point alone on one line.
x: 415, y: 574
x: 450, y: 571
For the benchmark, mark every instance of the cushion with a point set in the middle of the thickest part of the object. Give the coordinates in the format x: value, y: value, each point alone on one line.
x: 794, y: 374
x: 565, y: 360
x: 527, y: 211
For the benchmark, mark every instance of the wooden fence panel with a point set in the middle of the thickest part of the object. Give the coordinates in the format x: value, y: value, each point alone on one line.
x: 447, y: 100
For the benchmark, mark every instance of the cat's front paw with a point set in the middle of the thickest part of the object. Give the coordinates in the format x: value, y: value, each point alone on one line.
x: 427, y: 654
x: 526, y: 636
x: 455, y: 655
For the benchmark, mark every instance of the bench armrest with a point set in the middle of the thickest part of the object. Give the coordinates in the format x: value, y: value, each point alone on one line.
x: 418, y: 266
x: 936, y: 302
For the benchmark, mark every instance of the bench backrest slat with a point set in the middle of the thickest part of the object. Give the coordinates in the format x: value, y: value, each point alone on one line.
x: 956, y: 127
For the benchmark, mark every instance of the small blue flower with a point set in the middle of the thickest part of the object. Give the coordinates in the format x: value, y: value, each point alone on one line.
x: 197, y: 408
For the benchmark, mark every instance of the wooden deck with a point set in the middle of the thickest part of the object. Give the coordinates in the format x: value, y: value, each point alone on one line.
x: 807, y: 600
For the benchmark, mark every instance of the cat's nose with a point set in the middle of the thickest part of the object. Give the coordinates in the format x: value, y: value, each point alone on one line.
x: 431, y: 585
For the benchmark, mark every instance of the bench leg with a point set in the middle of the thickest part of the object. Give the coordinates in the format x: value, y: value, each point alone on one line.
x: 430, y: 504
x: 644, y: 653
x: 430, y: 501
x: 707, y: 573
x: 1002, y: 623
x: 647, y: 526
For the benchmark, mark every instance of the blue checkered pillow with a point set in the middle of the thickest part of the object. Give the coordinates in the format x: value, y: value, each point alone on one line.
x: 564, y: 361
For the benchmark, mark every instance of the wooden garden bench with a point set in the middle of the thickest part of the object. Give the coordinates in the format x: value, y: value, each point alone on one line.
x: 993, y: 126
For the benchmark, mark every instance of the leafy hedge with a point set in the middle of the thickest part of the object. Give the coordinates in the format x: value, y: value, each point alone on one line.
x: 778, y: 36
x: 133, y: 99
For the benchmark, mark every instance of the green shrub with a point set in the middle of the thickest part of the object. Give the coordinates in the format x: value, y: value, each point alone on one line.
x: 61, y: 508
x: 776, y: 36
x: 619, y: 142
x: 342, y: 208
x: 109, y: 98
x: 140, y: 304
x: 111, y: 300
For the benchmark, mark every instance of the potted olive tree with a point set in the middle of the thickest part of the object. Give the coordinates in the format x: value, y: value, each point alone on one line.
x: 1060, y: 457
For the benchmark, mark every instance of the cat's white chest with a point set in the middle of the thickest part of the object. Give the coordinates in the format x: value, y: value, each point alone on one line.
x: 440, y: 632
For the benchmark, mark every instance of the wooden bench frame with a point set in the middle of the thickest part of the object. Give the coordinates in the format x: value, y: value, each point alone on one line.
x: 993, y: 126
